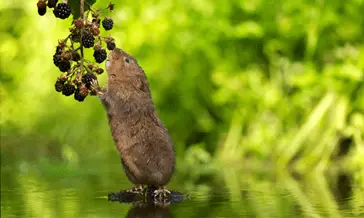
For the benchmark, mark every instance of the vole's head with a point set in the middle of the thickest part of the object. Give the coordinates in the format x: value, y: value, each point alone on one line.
x: 122, y: 66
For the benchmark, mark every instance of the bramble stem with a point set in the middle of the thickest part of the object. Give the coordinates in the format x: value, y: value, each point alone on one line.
x: 82, y: 3
x: 83, y: 18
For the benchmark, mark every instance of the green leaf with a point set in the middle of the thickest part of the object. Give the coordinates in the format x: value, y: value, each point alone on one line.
x: 75, y: 7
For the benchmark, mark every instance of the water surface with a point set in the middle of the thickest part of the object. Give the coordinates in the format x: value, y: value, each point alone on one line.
x: 42, y: 190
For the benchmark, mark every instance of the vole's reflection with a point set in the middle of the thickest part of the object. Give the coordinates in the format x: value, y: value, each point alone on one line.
x: 146, y: 205
x: 149, y: 211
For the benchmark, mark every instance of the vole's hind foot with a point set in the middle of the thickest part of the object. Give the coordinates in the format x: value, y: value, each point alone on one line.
x: 138, y: 189
x: 161, y: 193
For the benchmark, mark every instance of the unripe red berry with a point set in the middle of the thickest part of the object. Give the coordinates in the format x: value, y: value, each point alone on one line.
x: 99, y: 70
x: 79, y: 23
x: 42, y: 7
x: 63, y: 78
x: 83, y: 90
x: 95, y: 31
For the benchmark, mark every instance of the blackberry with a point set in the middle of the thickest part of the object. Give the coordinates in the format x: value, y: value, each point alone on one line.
x: 78, y: 23
x: 42, y: 7
x: 87, y: 79
x: 59, y: 85
x: 95, y: 31
x: 62, y: 10
x: 110, y: 45
x: 81, y: 93
x: 76, y: 37
x: 56, y: 60
x: 64, y: 65
x: 78, y: 96
x: 88, y: 40
x: 107, y: 23
x: 52, y: 3
x: 99, y: 70
x: 83, y: 90
x: 76, y: 56
x: 68, y: 89
x: 59, y: 50
x: 100, y: 55
x: 63, y: 78
x: 90, y: 66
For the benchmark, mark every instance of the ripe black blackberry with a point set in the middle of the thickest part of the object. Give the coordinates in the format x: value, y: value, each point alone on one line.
x: 68, y: 89
x: 100, y: 55
x: 42, y: 7
x: 76, y: 56
x: 64, y: 65
x: 59, y: 85
x: 78, y: 95
x: 87, y: 79
x: 56, y: 59
x: 107, y: 23
x: 88, y: 40
x: 52, y: 3
x: 62, y: 10
x: 76, y: 37
x: 110, y: 45
x: 59, y: 50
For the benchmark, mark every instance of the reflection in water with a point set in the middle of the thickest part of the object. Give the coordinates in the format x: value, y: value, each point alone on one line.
x: 144, y: 211
x: 145, y: 205
x: 146, y: 198
x: 344, y: 187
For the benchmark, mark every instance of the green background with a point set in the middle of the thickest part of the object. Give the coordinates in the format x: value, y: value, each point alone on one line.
x: 255, y: 85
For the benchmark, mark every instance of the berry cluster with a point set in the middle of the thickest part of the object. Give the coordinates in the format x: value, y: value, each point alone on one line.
x: 77, y: 73
x: 61, y: 10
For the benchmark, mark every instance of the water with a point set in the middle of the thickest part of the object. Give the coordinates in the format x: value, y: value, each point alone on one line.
x: 56, y: 190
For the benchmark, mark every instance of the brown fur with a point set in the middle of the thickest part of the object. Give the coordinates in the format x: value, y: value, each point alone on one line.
x: 146, y: 149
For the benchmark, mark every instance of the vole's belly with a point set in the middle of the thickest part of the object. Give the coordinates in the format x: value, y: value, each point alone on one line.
x: 151, y: 166
x: 146, y: 158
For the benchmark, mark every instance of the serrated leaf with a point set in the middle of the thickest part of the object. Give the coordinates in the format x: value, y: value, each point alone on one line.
x: 75, y: 7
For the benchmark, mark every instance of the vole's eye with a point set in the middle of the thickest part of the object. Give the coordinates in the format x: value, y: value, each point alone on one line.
x: 127, y: 60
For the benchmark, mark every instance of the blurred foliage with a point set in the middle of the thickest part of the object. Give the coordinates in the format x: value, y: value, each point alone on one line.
x: 234, y: 81
x: 242, y: 86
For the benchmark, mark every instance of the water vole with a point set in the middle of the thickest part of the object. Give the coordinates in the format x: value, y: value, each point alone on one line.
x: 146, y: 149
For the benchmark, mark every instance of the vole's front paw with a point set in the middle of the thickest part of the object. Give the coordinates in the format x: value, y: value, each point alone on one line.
x: 96, y: 90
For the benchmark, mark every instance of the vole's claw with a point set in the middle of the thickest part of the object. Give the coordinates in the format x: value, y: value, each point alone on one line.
x: 137, y: 189
x: 96, y: 88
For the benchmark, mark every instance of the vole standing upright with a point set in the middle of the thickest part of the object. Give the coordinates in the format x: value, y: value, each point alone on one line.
x: 147, y: 152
